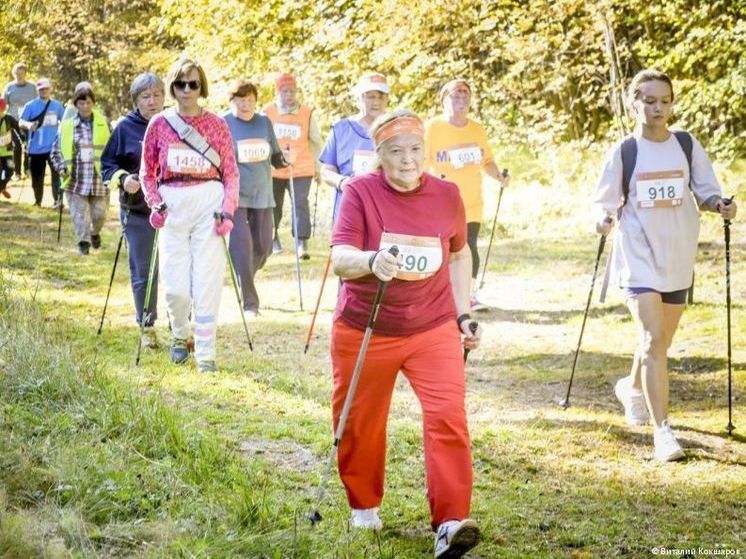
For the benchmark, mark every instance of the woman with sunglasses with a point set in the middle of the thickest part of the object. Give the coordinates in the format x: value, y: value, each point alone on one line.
x: 192, y: 201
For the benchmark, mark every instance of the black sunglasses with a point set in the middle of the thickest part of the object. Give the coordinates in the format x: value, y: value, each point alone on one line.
x: 181, y: 84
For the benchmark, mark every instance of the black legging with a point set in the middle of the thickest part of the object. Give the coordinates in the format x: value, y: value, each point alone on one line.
x: 472, y: 234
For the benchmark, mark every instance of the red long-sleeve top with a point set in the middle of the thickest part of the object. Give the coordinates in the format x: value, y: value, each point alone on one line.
x: 158, y: 168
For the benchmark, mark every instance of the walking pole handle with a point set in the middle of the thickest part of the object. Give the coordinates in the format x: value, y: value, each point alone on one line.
x: 727, y: 202
x: 473, y: 325
x: 394, y: 251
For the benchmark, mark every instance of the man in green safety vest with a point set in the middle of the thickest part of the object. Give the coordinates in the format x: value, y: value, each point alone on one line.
x: 76, y: 155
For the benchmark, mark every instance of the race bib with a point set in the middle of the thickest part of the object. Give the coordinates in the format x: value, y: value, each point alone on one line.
x: 663, y: 189
x: 465, y: 155
x: 183, y: 160
x: 5, y: 139
x: 86, y: 154
x: 253, y: 150
x: 50, y: 119
x: 421, y: 256
x: 291, y: 131
x: 363, y: 162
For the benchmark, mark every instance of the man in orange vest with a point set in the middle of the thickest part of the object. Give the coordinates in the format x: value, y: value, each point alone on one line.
x: 294, y: 126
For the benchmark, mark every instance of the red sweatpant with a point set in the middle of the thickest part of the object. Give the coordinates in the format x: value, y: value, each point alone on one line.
x: 433, y: 363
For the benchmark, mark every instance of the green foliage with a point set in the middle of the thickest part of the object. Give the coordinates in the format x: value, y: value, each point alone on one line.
x: 105, y: 42
x: 540, y: 68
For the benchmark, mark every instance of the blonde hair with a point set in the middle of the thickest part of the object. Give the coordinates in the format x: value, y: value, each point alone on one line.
x: 183, y: 66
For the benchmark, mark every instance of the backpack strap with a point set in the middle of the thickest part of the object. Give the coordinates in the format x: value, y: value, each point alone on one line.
x: 192, y: 138
x: 629, y: 160
x: 687, y: 145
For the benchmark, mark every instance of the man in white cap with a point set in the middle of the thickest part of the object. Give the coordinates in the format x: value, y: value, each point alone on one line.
x: 70, y: 110
x: 41, y: 117
x: 457, y: 149
x: 349, y: 150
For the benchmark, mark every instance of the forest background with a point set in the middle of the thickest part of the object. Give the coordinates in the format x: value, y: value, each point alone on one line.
x: 544, y: 72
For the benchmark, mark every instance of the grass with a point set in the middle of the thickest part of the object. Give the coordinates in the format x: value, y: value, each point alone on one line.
x: 102, y: 459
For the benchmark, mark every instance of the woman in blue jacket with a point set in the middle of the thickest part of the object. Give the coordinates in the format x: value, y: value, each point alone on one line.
x: 120, y: 163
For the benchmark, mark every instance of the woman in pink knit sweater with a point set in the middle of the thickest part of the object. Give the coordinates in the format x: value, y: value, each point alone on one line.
x: 192, y: 201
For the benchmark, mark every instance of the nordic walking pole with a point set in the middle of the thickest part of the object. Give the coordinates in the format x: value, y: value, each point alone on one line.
x: 726, y: 231
x: 315, y: 516
x: 113, y: 270
x: 235, y: 286
x: 492, y: 235
x: 59, y: 221
x: 148, y: 290
x: 318, y: 302
x: 291, y: 188
x: 566, y: 402
x: 315, y: 205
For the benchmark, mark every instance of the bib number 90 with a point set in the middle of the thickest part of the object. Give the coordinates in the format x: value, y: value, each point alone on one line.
x: 414, y: 263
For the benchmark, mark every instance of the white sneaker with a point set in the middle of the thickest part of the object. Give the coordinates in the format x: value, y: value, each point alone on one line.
x: 366, y: 518
x: 455, y: 537
x: 667, y: 448
x: 633, y: 400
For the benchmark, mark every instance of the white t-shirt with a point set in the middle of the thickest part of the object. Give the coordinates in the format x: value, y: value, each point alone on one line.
x: 656, y: 245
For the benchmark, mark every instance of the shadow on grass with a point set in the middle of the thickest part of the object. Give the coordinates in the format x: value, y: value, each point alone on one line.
x: 539, y: 316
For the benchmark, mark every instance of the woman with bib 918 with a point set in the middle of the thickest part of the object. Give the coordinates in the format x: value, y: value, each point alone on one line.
x: 422, y: 318
x: 185, y: 190
x: 655, y: 247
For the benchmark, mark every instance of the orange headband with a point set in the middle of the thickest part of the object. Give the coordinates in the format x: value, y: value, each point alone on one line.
x: 284, y: 79
x: 401, y: 125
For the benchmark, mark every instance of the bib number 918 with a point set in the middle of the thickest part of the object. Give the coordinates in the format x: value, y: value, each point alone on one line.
x: 662, y: 193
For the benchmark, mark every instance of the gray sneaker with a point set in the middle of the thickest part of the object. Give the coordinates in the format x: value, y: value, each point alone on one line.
x: 179, y: 351
x: 206, y: 366
x: 276, y: 246
x: 149, y: 338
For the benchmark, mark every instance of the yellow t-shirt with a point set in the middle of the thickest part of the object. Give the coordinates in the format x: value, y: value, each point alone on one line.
x: 459, y: 154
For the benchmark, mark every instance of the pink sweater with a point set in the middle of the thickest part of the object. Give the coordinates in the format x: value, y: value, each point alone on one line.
x: 155, y: 169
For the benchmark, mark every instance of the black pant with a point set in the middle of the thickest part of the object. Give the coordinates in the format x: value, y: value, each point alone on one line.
x: 250, y: 246
x: 472, y: 234
x: 6, y: 172
x: 302, y: 186
x: 19, y: 156
x: 38, y: 163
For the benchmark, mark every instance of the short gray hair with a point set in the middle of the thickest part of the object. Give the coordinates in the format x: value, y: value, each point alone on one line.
x: 143, y: 82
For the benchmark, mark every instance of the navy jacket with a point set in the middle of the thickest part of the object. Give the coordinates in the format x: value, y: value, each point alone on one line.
x: 123, y: 151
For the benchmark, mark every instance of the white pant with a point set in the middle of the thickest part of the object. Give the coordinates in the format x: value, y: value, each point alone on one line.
x: 192, y: 262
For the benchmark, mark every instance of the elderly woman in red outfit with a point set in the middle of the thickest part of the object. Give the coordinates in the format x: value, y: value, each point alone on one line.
x: 422, y: 320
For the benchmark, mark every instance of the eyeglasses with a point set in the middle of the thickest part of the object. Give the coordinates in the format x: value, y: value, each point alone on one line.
x: 181, y: 85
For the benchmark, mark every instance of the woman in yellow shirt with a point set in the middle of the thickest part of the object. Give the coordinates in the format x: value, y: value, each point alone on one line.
x: 458, y: 151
